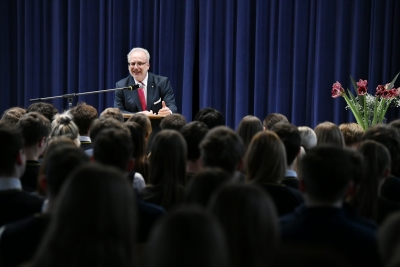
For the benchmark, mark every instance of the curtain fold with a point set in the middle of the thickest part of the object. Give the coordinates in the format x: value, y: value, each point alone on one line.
x: 241, y: 57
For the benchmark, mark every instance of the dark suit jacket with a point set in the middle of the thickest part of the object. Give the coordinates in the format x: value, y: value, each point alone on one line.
x: 158, y: 89
x: 16, y: 205
x: 20, y: 240
x: 330, y: 228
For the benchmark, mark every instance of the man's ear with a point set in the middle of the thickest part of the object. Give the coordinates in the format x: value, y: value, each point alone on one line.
x: 239, y: 166
x: 352, y: 189
x: 42, y: 141
x: 42, y: 183
x: 20, y: 160
x: 131, y: 165
x: 302, y: 186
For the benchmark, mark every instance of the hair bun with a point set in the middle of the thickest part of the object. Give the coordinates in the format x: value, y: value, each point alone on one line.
x: 64, y: 118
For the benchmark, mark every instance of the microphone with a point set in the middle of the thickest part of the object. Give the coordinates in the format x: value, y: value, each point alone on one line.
x: 133, y: 87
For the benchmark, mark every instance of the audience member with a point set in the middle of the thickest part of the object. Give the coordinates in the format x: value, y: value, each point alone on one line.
x: 325, y: 174
x: 211, y: 117
x: 248, y: 127
x: 12, y: 115
x: 15, y: 204
x: 141, y: 162
x: 20, y: 240
x: 249, y: 219
x: 290, y: 136
x: 93, y: 223
x: 265, y: 164
x: 143, y: 121
x: 352, y: 134
x: 395, y: 124
x: 203, y: 184
x: 308, y: 137
x: 83, y: 116
x: 35, y: 129
x: 273, y: 118
x: 193, y: 132
x: 64, y: 125
x: 389, y: 240
x: 173, y: 122
x: 329, y: 133
x: 390, y: 138
x: 113, y: 147
x: 187, y: 237
x: 46, y: 109
x: 367, y: 200
x: 114, y: 113
x: 223, y: 148
x: 167, y: 171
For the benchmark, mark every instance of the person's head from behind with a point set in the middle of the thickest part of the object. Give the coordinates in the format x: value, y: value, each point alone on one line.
x: 211, y: 117
x: 250, y: 221
x: 12, y: 115
x: 168, y: 159
x: 329, y: 133
x: 248, y: 127
x: 105, y: 123
x: 113, y: 147
x: 194, y: 132
x: 376, y: 168
x: 12, y: 156
x: 390, y: 138
x: 138, y: 139
x: 187, y: 237
x: 308, y: 137
x: 143, y: 121
x: 114, y: 113
x: 35, y: 129
x: 389, y: 240
x: 290, y: 136
x: 273, y: 118
x: 46, y: 109
x: 223, y: 148
x: 83, y: 116
x: 352, y: 134
x: 203, y: 184
x: 265, y: 160
x: 64, y: 125
x: 93, y: 222
x: 173, y: 122
x: 59, y: 162
x: 326, y: 171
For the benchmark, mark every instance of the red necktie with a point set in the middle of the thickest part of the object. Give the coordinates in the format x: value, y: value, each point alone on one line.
x: 141, y: 97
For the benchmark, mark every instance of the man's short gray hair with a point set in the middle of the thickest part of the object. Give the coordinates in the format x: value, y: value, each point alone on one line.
x: 140, y: 49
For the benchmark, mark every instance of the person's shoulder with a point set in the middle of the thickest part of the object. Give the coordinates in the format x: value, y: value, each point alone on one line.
x: 125, y: 81
x: 157, y: 78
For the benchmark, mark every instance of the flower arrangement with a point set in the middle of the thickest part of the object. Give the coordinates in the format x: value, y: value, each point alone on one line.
x: 366, y: 108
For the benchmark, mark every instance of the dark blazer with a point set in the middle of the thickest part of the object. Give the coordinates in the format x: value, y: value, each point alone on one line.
x: 158, y: 89
x: 329, y: 228
x: 16, y: 205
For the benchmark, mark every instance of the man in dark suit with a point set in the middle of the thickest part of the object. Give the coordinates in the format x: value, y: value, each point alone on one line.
x: 157, y: 92
x: 326, y: 172
x: 15, y: 204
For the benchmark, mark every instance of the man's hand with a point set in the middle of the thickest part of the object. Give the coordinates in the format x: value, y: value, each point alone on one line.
x: 147, y: 113
x: 164, y: 111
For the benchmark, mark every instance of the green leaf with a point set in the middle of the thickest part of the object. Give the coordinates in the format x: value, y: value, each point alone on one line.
x: 393, y: 81
x: 354, y: 83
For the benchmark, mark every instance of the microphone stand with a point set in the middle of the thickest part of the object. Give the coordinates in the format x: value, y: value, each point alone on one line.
x: 71, y: 96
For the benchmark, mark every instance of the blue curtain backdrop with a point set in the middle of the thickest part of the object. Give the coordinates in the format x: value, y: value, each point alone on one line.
x: 241, y: 57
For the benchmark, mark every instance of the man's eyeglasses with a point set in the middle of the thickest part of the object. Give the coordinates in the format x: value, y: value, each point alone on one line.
x: 139, y: 64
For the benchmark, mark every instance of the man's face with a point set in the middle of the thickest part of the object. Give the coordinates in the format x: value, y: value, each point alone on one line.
x: 138, y: 65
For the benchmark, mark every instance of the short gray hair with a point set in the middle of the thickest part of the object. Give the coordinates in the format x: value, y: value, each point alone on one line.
x: 140, y: 49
